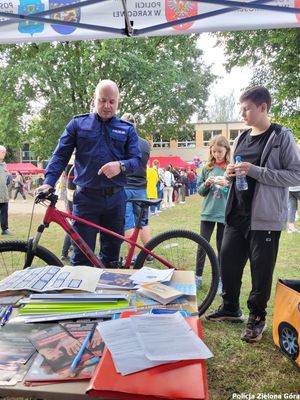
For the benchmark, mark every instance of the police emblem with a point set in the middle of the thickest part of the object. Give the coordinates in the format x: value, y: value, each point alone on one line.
x: 178, y: 9
x: 27, y: 7
x: 72, y: 15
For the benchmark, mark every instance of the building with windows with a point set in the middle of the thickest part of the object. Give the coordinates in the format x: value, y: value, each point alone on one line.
x: 187, y: 149
x: 197, y: 145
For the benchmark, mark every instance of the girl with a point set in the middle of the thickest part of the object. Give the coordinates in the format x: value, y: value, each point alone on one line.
x: 213, y: 187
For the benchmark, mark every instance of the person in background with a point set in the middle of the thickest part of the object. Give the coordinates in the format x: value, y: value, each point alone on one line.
x: 135, y: 188
x: 215, y: 198
x: 160, y: 183
x: 294, y: 197
x: 4, y: 197
x: 152, y: 181
x: 183, y: 179
x: 169, y: 182
x: 255, y: 217
x: 191, y: 177
x: 28, y: 185
x: 19, y: 185
x: 106, y: 148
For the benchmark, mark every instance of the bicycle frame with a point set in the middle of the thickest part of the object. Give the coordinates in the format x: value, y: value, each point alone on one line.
x: 61, y: 218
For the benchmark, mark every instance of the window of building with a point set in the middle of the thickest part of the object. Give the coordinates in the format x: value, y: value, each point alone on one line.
x: 27, y: 155
x: 189, y: 142
x: 233, y: 133
x: 159, y: 142
x: 209, y: 134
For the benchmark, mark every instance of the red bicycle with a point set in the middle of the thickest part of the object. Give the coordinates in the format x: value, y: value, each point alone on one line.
x: 172, y: 249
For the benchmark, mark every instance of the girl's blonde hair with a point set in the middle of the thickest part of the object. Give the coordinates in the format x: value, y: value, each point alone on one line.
x: 218, y: 140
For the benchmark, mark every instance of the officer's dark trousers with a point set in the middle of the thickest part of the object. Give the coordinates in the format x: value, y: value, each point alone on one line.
x: 261, y: 248
x: 105, y: 210
x: 4, y: 216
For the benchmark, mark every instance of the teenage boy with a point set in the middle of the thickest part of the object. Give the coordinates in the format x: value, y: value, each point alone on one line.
x: 255, y: 218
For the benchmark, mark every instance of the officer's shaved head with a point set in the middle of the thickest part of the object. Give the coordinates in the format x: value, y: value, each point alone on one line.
x: 107, y: 83
x: 106, y: 99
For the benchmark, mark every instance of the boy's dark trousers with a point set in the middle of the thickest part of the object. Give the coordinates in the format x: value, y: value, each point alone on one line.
x: 261, y: 248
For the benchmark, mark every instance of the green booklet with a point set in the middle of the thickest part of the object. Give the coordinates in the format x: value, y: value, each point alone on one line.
x: 62, y: 307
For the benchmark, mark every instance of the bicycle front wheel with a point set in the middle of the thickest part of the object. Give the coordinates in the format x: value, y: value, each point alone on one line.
x: 180, y: 248
x: 13, y: 255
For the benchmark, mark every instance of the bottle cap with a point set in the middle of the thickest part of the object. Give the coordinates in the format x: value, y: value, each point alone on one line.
x: 238, y: 159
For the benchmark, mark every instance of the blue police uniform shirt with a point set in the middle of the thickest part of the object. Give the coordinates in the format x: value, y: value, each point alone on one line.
x: 96, y: 143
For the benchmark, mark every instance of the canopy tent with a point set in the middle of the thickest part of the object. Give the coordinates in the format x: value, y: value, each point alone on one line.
x: 25, y: 168
x: 175, y: 161
x: 59, y: 20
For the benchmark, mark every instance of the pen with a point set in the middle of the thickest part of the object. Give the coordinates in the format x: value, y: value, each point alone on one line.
x: 92, y: 361
x: 6, y: 315
x: 81, y: 351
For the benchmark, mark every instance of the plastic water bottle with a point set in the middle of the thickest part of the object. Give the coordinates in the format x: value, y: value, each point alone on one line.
x: 240, y: 180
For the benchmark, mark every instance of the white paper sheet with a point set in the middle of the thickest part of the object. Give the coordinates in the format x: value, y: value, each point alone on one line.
x: 145, y: 341
x: 168, y: 337
x: 147, y: 275
x: 127, y: 353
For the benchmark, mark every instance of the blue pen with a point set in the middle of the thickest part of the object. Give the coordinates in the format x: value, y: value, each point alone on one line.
x: 81, y: 351
x: 6, y: 315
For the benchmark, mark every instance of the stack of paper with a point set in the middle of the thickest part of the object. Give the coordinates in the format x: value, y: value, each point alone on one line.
x: 158, y: 291
x: 145, y: 341
x: 148, y: 275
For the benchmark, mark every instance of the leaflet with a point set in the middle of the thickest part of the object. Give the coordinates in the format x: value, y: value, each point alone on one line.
x: 52, y: 278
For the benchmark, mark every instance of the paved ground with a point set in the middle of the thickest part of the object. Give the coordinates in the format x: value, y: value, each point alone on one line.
x: 21, y: 206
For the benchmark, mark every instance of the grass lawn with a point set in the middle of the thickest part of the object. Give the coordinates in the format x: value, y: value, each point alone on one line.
x: 237, y: 367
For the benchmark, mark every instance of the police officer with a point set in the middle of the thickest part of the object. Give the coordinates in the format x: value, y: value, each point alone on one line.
x: 106, y: 148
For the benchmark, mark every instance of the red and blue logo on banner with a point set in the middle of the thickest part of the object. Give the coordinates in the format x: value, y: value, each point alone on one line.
x: 72, y: 15
x: 178, y: 9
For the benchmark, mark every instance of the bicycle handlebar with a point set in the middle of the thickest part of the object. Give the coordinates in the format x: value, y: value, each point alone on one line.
x: 46, y: 195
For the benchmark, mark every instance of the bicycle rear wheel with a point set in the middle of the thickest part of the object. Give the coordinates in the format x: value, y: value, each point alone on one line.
x: 13, y: 255
x: 180, y: 247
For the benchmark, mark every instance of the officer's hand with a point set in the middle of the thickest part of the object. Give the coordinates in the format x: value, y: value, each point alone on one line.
x: 44, y: 188
x: 110, y: 169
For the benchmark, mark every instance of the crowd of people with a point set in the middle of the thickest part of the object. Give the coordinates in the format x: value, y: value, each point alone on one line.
x: 111, y: 165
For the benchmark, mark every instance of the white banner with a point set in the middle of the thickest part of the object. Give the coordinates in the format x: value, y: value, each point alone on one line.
x: 106, y: 19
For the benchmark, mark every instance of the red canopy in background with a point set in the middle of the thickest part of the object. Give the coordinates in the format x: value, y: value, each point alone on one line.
x: 175, y: 161
x: 25, y: 168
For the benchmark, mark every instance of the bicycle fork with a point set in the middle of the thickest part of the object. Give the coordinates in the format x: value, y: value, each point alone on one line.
x: 32, y: 246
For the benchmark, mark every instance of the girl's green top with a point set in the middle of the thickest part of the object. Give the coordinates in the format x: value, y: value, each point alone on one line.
x: 215, y: 197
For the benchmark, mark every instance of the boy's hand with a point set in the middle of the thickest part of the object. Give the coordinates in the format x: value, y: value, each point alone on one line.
x: 230, y: 171
x: 243, y: 167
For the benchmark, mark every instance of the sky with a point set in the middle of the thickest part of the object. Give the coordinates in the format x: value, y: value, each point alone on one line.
x: 236, y: 80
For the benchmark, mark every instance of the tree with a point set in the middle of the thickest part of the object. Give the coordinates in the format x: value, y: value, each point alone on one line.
x: 223, y: 109
x: 162, y: 80
x: 275, y: 58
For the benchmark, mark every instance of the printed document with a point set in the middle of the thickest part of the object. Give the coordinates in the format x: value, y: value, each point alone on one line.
x: 145, y: 341
x: 50, y: 278
x: 147, y: 275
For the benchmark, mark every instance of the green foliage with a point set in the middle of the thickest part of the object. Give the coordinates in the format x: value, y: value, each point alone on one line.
x: 162, y: 80
x: 275, y: 58
x: 223, y: 109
